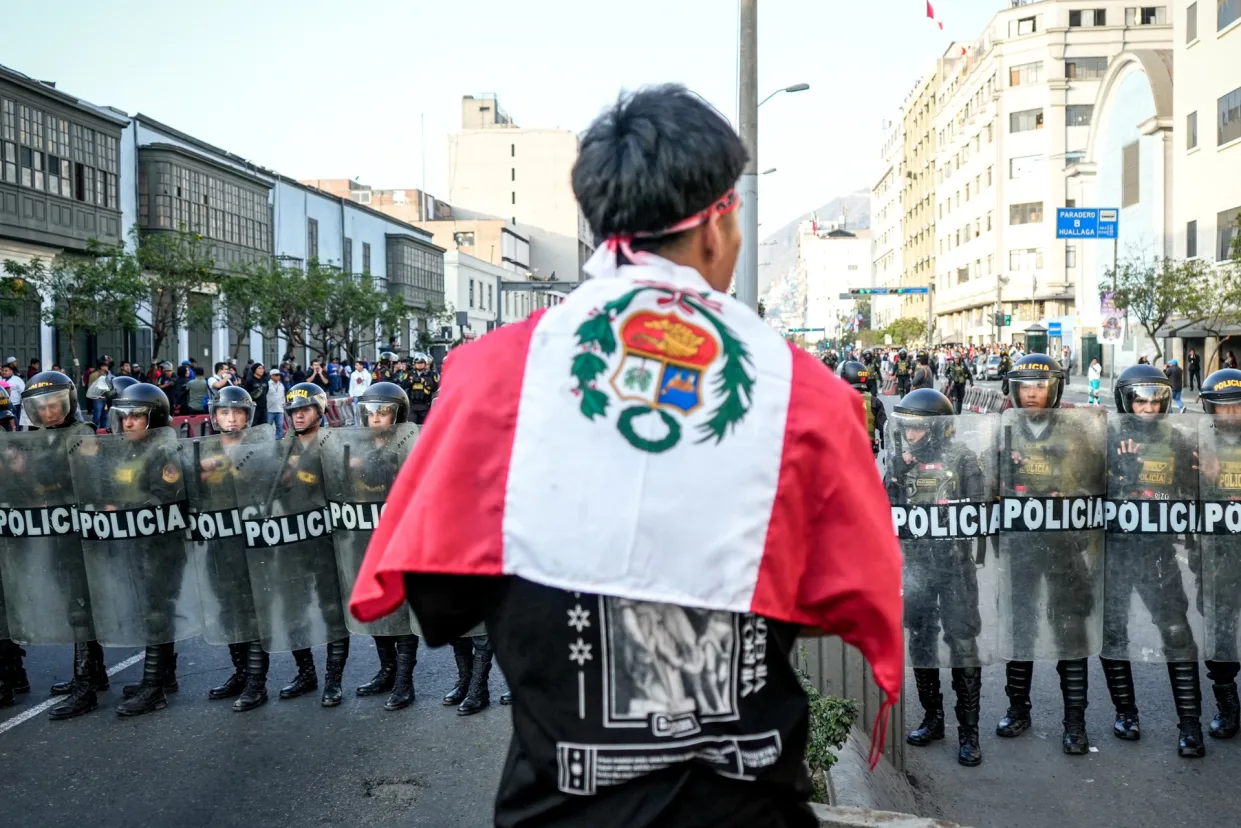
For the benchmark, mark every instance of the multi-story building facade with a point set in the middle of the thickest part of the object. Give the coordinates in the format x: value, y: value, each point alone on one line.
x: 886, y: 224
x: 498, y: 169
x: 408, y: 204
x: 60, y: 184
x: 918, y: 193
x: 1015, y: 109
x: 831, y: 261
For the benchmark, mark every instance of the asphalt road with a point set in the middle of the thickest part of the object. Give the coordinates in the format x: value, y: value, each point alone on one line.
x: 1029, y: 782
x: 198, y: 764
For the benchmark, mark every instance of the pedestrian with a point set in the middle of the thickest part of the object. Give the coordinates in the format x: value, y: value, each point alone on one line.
x: 275, y: 403
x: 1175, y: 376
x: 256, y: 386
x: 96, y: 388
x: 650, y: 647
x: 1193, y: 364
x: 318, y: 375
x: 1094, y: 376
x: 1066, y: 360
x: 33, y: 368
x: 197, y: 395
x: 17, y: 387
x: 1231, y: 361
x: 359, y: 381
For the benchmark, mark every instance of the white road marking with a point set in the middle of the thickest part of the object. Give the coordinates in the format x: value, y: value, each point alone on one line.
x: 9, y: 724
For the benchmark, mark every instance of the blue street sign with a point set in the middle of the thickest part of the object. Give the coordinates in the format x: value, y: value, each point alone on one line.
x: 1087, y: 223
x: 1053, y: 329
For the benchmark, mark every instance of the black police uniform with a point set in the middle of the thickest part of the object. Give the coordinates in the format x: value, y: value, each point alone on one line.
x: 423, y: 385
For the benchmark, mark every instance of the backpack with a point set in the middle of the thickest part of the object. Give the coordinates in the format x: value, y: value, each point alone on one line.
x: 870, y: 414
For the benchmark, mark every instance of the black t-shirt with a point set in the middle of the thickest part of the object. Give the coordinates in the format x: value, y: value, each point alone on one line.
x: 632, y: 714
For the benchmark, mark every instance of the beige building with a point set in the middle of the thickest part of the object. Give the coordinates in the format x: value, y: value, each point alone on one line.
x: 886, y: 212
x: 408, y: 205
x: 489, y: 240
x: 918, y: 197
x: 501, y: 170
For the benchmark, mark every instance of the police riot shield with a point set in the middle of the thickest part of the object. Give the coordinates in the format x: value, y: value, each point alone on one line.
x: 1150, y: 610
x: 219, y: 503
x: 942, y: 486
x: 292, y: 561
x: 1050, y: 568
x: 359, y: 468
x: 1219, y: 493
x: 41, y: 563
x: 133, y: 518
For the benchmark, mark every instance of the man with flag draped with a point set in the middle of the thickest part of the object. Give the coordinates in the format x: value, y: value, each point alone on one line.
x: 647, y: 495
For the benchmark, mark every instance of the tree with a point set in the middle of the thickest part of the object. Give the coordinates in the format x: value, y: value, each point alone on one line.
x: 15, y: 292
x: 1155, y: 290
x: 293, y: 302
x: 355, y: 306
x: 175, y: 266
x: 437, y: 316
x: 245, y: 292
x: 906, y: 330
x: 1218, y: 306
x: 84, y: 294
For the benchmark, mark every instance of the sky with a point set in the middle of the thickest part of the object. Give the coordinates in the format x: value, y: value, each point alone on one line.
x: 340, y: 88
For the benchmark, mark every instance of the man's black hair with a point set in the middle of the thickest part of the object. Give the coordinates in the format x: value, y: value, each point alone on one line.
x: 658, y: 156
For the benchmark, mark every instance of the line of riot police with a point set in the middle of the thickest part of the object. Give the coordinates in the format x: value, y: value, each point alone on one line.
x: 136, y: 538
x: 1050, y: 534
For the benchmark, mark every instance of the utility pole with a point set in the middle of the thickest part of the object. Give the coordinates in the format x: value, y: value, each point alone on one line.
x: 747, y: 110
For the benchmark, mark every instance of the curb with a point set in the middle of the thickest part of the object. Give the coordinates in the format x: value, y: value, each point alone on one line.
x: 851, y: 784
x: 832, y: 817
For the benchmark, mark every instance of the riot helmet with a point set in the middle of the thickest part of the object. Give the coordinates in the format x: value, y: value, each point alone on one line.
x: 388, y: 357
x: 6, y: 404
x: 301, y: 396
x: 868, y: 357
x: 902, y: 353
x: 855, y: 373
x: 1143, y: 383
x: 140, y: 407
x: 50, y: 400
x: 118, y: 384
x: 231, y: 410
x: 1220, y: 390
x: 1034, y: 372
x: 423, y: 358
x: 924, y: 358
x: 383, y: 404
x: 924, y: 419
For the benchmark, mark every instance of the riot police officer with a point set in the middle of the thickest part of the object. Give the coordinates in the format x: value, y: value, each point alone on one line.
x: 872, y: 372
x: 902, y: 372
x: 929, y: 467
x: 958, y: 375
x: 424, y: 382
x: 387, y: 371
x: 305, y: 404
x: 51, y: 403
x: 139, y: 409
x: 1149, y: 460
x: 382, y: 405
x: 923, y: 378
x: 858, y: 376
x: 1219, y: 461
x: 1041, y: 461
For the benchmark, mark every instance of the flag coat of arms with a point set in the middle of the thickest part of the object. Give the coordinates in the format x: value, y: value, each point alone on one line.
x: 651, y: 439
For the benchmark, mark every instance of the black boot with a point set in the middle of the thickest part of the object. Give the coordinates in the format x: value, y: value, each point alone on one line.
x: 255, y: 693
x: 98, y: 670
x: 1227, y: 721
x: 932, y: 701
x: 967, y: 682
x: 1187, y: 696
x: 305, y: 680
x: 12, y: 672
x: 333, y: 669
x: 1073, y: 687
x: 168, y: 681
x: 6, y: 695
x: 506, y: 698
x: 479, y: 696
x: 81, y: 697
x: 234, y: 684
x: 383, y: 681
x: 1119, y: 676
x: 150, y: 696
x: 403, y: 688
x: 463, y: 653
x: 1019, y: 675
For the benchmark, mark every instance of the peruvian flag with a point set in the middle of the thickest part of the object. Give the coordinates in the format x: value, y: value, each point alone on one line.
x: 650, y: 439
x: 930, y: 12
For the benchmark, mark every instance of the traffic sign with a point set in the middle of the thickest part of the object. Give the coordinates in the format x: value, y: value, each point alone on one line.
x: 883, y: 291
x: 1091, y: 223
x: 1053, y: 329
x: 805, y: 330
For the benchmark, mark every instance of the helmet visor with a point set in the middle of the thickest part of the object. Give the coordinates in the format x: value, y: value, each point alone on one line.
x: 915, y: 429
x: 126, y: 416
x: 231, y: 416
x: 51, y: 409
x: 377, y: 413
x: 1034, y: 392
x: 1147, y: 394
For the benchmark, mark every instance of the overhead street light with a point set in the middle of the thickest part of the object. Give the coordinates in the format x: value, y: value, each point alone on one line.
x: 797, y: 87
x: 768, y: 171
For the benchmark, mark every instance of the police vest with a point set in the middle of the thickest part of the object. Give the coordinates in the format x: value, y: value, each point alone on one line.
x: 870, y: 415
x: 935, y: 481
x: 902, y: 368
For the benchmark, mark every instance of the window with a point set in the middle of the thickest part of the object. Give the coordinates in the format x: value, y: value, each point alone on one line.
x: 312, y: 239
x: 490, y: 305
x: 1229, y: 116
x: 990, y: 133
x: 512, y: 150
x: 514, y: 197
x: 989, y: 176
x: 1069, y: 203
x: 512, y: 174
x: 1146, y: 15
x: 963, y: 275
x: 1025, y: 166
x: 1023, y: 26
x: 366, y: 258
x: 1191, y: 130
x: 1025, y: 259
x: 1130, y: 182
x: 346, y: 259
x: 1025, y: 120
x: 1071, y: 158
x: 989, y: 215
x: 1229, y: 11
x: 471, y: 293
x: 967, y: 192
x: 1087, y: 17
x: 1027, y: 213
x: 1078, y: 115
x: 1191, y: 23
x: 1085, y: 68
x: 1191, y: 239
x: 1226, y: 232
x: 1025, y: 74
x: 990, y: 263
x: 1070, y: 256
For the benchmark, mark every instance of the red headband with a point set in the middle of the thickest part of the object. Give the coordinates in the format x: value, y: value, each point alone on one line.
x: 721, y: 206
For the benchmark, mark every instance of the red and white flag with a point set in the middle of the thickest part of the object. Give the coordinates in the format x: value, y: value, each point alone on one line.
x: 651, y: 439
x: 930, y: 12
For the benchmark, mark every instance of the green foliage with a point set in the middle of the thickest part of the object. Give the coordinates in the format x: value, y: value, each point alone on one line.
x: 906, y: 330
x: 1154, y: 290
x: 245, y: 292
x: 831, y: 719
x: 174, y: 266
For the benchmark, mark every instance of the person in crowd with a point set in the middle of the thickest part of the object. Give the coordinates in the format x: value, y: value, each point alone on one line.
x: 17, y: 387
x: 33, y: 368
x: 197, y: 394
x: 1095, y: 375
x: 221, y: 379
x: 1193, y: 367
x: 275, y: 403
x: 96, y: 388
x: 298, y: 375
x: 1176, y: 376
x: 1231, y: 360
x: 318, y: 375
x: 359, y: 381
x: 256, y: 385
